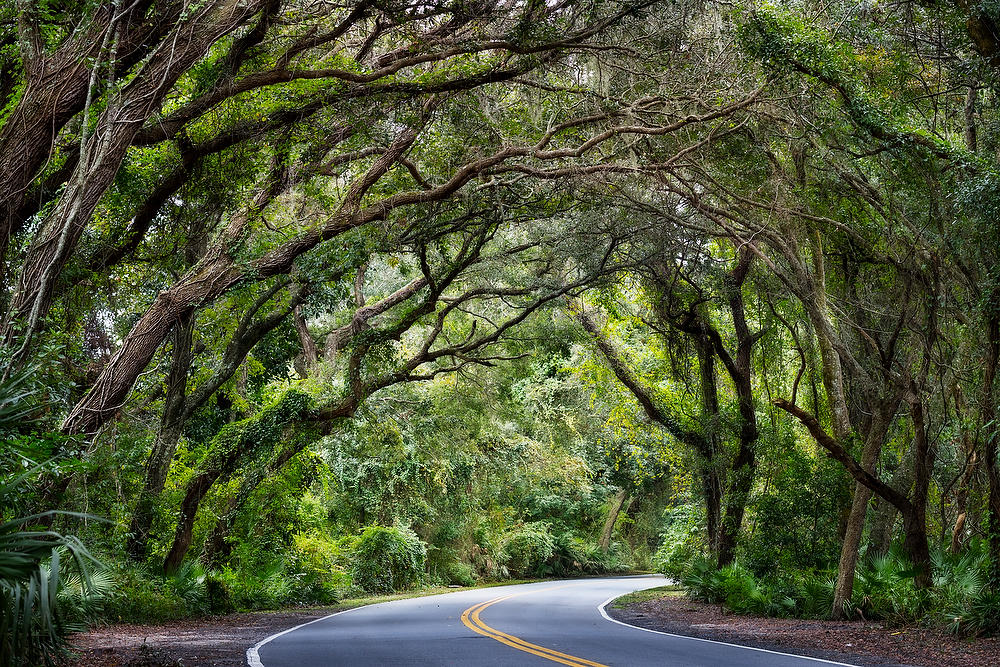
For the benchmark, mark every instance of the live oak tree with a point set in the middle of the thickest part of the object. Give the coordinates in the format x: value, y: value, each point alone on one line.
x: 520, y: 276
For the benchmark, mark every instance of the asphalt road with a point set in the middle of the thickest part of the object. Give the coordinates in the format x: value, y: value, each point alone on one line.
x: 546, y: 623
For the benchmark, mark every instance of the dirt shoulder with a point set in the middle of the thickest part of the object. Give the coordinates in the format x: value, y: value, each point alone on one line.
x: 214, y: 641
x: 856, y: 643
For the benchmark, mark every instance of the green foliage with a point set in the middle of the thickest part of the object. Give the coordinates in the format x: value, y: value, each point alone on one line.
x: 528, y: 549
x: 318, y: 564
x: 458, y: 573
x: 797, y: 520
x: 267, y: 587
x: 256, y: 434
x: 682, y: 540
x: 34, y: 566
x: 36, y: 563
x: 387, y: 559
x: 960, y: 602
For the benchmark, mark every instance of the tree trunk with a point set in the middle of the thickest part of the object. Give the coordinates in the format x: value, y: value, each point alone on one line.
x: 609, y: 523
x: 880, y: 535
x: 167, y: 437
x: 102, y: 152
x: 712, y: 485
x: 851, y: 546
x: 218, y: 272
x: 913, y: 511
x: 310, y: 352
x: 196, y: 490
x: 988, y: 424
x: 915, y: 521
x: 741, y: 372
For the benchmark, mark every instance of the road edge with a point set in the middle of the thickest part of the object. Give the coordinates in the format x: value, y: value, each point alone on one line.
x: 253, y: 653
x: 602, y: 608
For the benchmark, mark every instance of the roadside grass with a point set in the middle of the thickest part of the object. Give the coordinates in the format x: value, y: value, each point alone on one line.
x: 647, y: 594
x: 351, y: 603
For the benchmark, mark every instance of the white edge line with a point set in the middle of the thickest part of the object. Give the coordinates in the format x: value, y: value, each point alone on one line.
x: 604, y: 613
x: 253, y: 653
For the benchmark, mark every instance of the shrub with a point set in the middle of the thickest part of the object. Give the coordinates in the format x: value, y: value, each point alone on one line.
x: 388, y: 559
x: 815, y: 594
x: 883, y: 589
x: 316, y: 563
x: 488, y: 556
x: 457, y: 572
x: 267, y: 587
x: 681, y: 541
x: 33, y: 562
x: 528, y: 549
x: 217, y: 595
x: 139, y: 597
x: 596, y: 561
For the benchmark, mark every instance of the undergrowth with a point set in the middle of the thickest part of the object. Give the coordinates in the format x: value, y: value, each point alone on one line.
x: 960, y: 601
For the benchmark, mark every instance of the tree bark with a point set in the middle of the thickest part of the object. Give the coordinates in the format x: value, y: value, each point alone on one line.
x: 744, y: 469
x: 851, y: 546
x: 56, y: 86
x: 310, y: 351
x: 617, y: 501
x: 712, y: 484
x: 102, y: 154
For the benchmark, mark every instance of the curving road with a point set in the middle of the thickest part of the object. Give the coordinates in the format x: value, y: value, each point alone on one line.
x: 545, y: 623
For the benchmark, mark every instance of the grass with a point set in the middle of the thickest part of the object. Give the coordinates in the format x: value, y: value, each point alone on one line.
x: 351, y: 603
x: 647, y: 594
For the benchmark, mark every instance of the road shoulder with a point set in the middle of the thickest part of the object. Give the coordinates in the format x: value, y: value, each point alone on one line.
x: 856, y: 643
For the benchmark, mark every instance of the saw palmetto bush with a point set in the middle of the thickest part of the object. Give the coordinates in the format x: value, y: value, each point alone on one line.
x: 35, y: 562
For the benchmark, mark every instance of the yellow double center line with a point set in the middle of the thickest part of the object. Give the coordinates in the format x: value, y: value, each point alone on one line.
x: 470, y: 617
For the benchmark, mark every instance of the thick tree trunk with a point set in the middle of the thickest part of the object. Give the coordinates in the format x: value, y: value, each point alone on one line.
x: 708, y: 465
x: 741, y: 478
x: 915, y: 521
x: 310, y: 351
x: 609, y: 523
x: 744, y: 469
x: 102, y: 153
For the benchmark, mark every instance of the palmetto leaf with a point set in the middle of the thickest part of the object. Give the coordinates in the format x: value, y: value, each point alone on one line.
x: 32, y: 566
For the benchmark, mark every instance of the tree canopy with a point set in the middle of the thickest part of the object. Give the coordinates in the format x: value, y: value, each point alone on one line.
x: 503, y: 288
